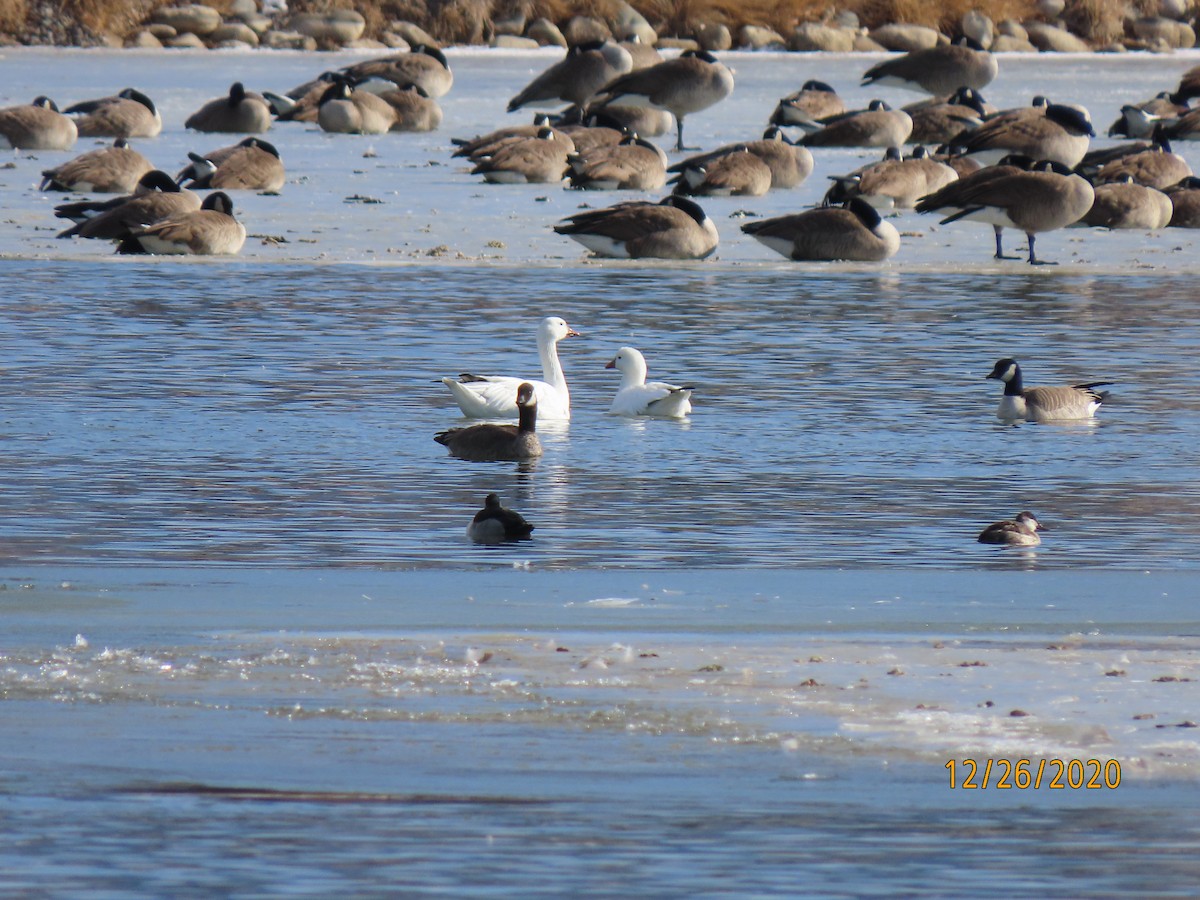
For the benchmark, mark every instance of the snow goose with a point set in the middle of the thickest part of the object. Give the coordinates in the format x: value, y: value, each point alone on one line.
x: 637, y: 397
x: 1044, y: 404
x: 490, y: 396
x: 494, y: 443
x: 495, y: 524
x: 1019, y: 532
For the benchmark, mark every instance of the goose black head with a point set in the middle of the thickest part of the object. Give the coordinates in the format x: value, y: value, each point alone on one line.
x: 138, y: 97
x: 1071, y: 118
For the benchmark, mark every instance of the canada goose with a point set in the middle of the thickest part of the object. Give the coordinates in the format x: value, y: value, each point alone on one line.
x: 346, y: 110
x: 673, y: 228
x: 1185, y: 128
x: 1019, y: 532
x: 250, y: 165
x: 894, y: 183
x: 644, y: 55
x: 632, y: 165
x: 535, y: 160
x: 1185, y: 203
x: 938, y: 70
x: 156, y: 197
x: 693, y: 81
x: 1189, y: 85
x: 1046, y: 198
x: 638, y: 397
x: 415, y: 110
x: 876, y: 126
x: 36, y: 126
x: 209, y: 231
x: 1056, y: 132
x: 578, y: 76
x: 949, y: 200
x: 790, y: 164
x: 109, y: 170
x: 495, y: 524
x: 736, y: 174
x: 599, y: 134
x: 1125, y: 204
x: 129, y: 114
x: 302, y: 103
x: 423, y: 65
x: 493, y: 443
x: 1155, y: 167
x: 486, y: 144
x: 942, y: 121
x: 854, y: 232
x: 240, y: 112
x: 1138, y: 120
x: 813, y: 102
x: 646, y: 121
x: 1044, y: 404
x: 487, y: 396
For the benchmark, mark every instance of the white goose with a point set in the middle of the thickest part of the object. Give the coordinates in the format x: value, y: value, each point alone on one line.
x: 636, y: 397
x: 494, y: 396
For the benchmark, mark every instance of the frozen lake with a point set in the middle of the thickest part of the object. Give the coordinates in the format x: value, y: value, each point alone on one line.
x: 248, y: 650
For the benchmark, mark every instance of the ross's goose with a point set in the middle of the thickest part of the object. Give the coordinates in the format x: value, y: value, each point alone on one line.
x: 491, y: 443
x: 1019, y: 532
x: 495, y: 524
x: 492, y: 396
x: 637, y: 397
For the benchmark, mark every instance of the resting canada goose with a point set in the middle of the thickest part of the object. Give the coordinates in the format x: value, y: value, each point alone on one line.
x: 1056, y: 132
x: 36, y: 126
x: 601, y: 133
x: 495, y: 524
x: 736, y: 174
x: 415, y: 110
x: 240, y: 112
x: 854, y: 232
x: 938, y: 70
x: 876, y: 126
x: 644, y: 55
x: 942, y: 121
x: 109, y: 170
x: 1126, y: 204
x: 1019, y: 532
x: 535, y: 160
x: 128, y: 114
x: 638, y: 397
x: 893, y: 182
x: 423, y: 65
x: 1046, y: 198
x: 1189, y: 85
x: 790, y: 164
x: 813, y: 102
x: 950, y: 199
x: 1185, y: 128
x: 1138, y: 120
x: 642, y: 120
x: 301, y: 103
x: 577, y: 77
x: 693, y: 81
x: 1185, y: 203
x: 1155, y: 167
x: 486, y: 144
x: 156, y: 197
x: 632, y: 165
x: 673, y: 228
x: 250, y: 165
x: 493, y: 443
x: 1044, y: 404
x: 487, y: 396
x: 346, y: 110
x: 209, y: 231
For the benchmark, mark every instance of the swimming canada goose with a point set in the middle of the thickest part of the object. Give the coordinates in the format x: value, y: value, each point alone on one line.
x: 1125, y: 204
x: 813, y: 102
x: 943, y: 120
x: 893, y: 182
x: 495, y: 524
x: 638, y: 397
x: 1055, y: 131
x: 854, y: 232
x: 790, y: 164
x: 536, y: 160
x: 423, y: 65
x: 693, y: 81
x: 1138, y: 120
x: 736, y: 174
x: 1185, y: 203
x: 1155, y: 167
x: 156, y: 197
x: 109, y: 170
x: 673, y: 228
x: 250, y: 165
x: 36, y: 126
x: 632, y: 165
x: 1044, y: 404
x: 346, y: 110
x: 209, y: 231
x: 415, y: 110
x: 949, y: 200
x: 488, y: 396
x: 1019, y: 532
x: 128, y: 114
x: 1046, y: 198
x: 493, y: 443
x: 876, y: 126
x: 240, y: 112
x: 938, y: 70
x: 578, y: 76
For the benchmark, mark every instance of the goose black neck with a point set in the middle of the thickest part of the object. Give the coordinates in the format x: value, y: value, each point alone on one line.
x: 1012, y: 387
x: 527, y: 417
